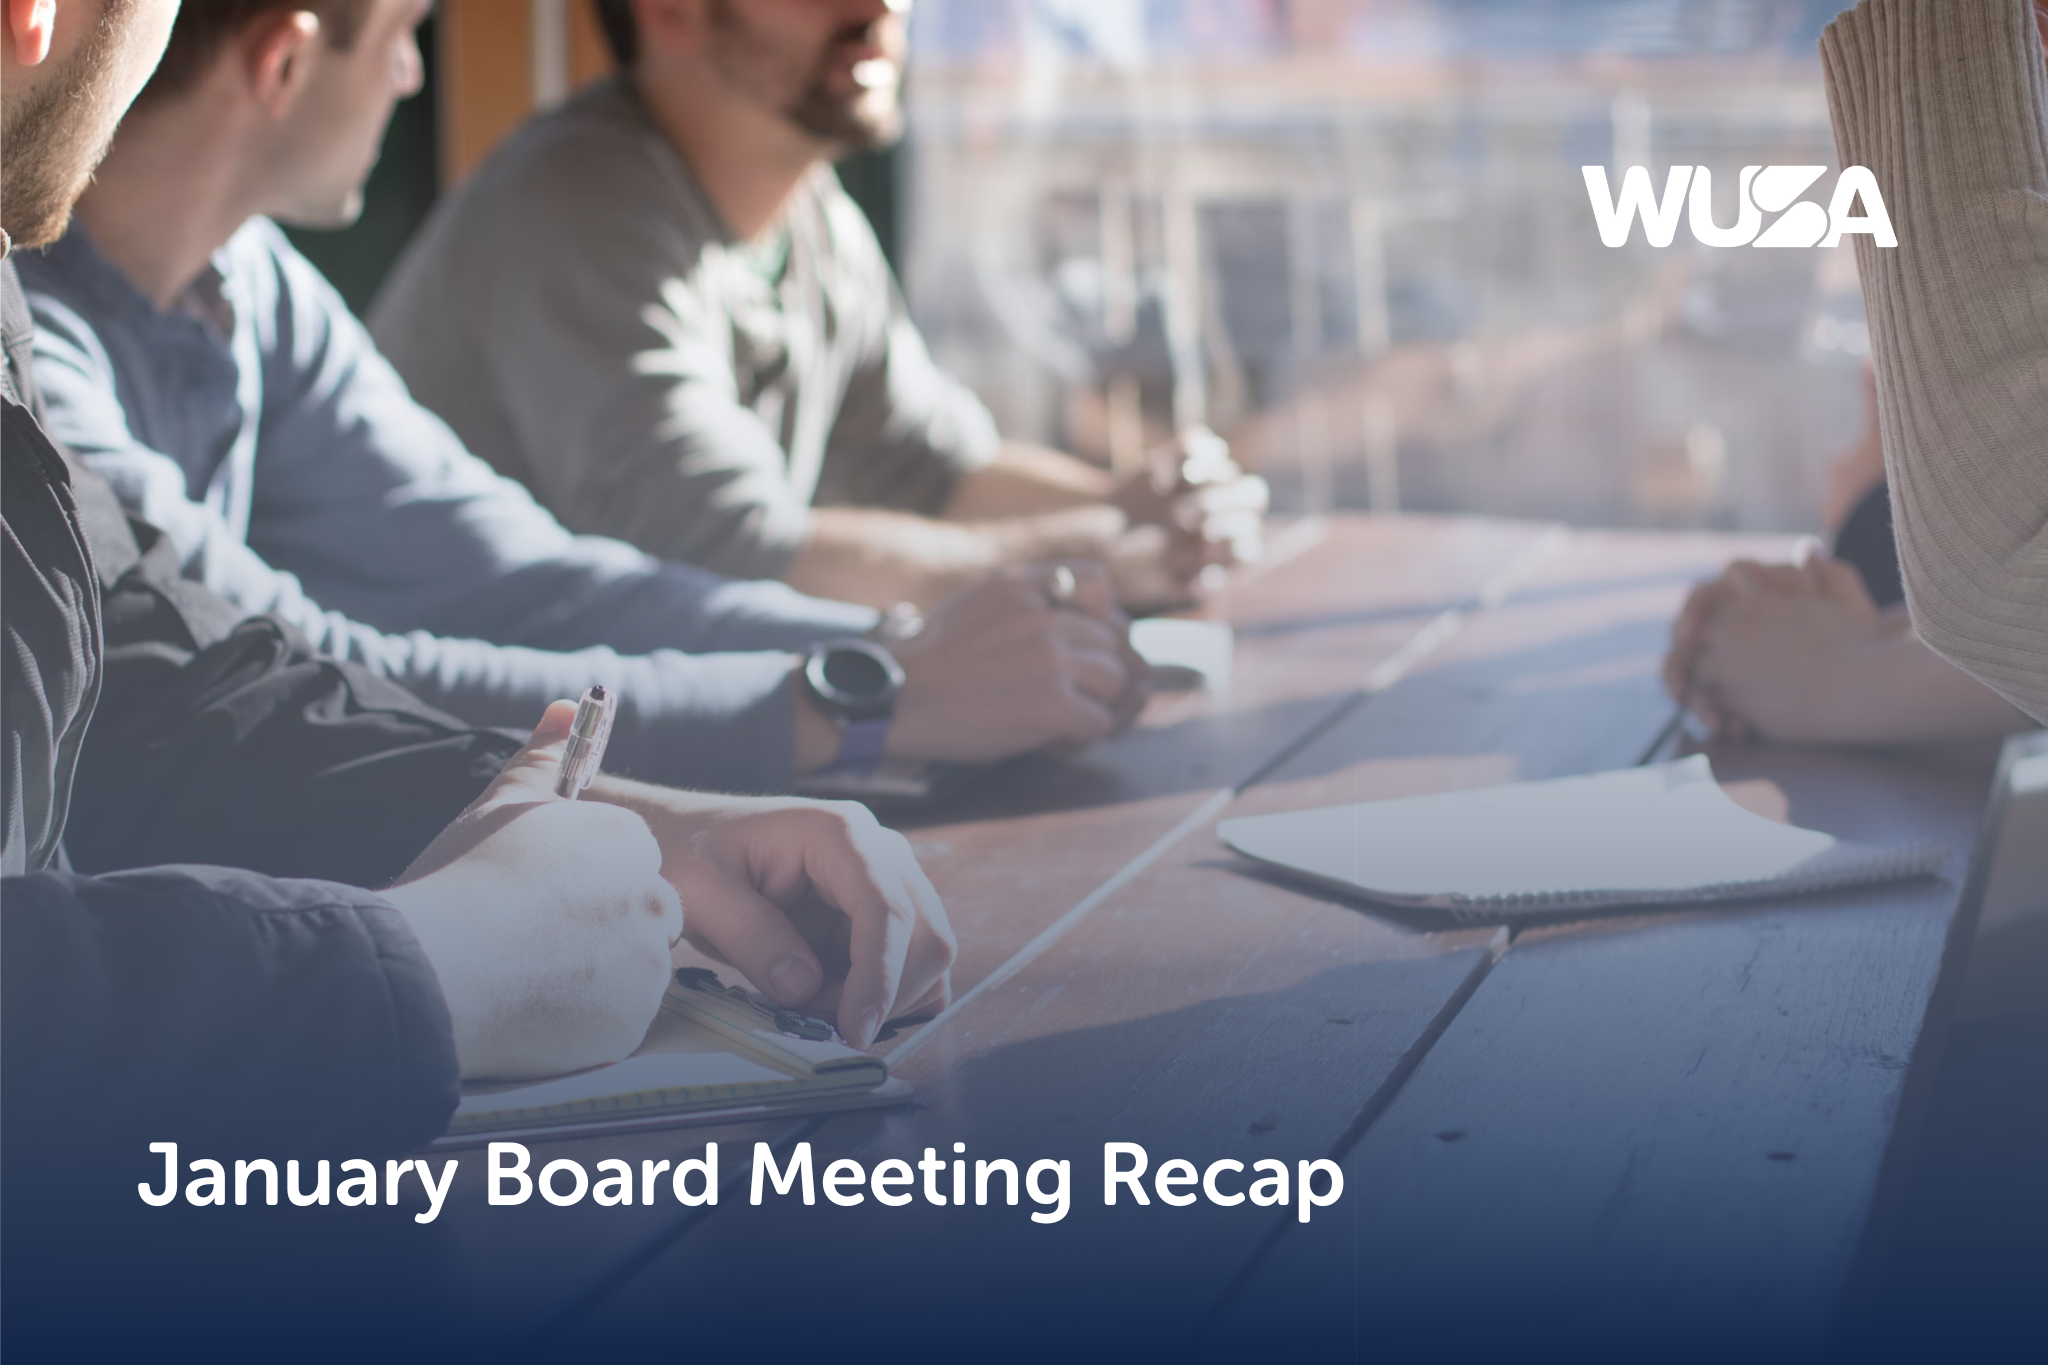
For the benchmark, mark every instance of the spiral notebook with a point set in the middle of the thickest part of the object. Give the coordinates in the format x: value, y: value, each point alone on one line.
x: 1662, y: 836
x: 714, y: 1054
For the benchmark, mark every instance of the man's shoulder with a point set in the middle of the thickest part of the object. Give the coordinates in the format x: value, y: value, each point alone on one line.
x: 596, y: 150
x: 588, y: 194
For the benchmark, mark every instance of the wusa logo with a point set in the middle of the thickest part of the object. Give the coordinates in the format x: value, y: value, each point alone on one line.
x: 1763, y: 189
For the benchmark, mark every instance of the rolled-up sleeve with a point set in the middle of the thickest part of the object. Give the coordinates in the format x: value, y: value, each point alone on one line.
x: 906, y: 431
x: 1943, y: 101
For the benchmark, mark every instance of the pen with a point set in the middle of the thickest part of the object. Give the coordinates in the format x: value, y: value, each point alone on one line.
x: 587, y: 736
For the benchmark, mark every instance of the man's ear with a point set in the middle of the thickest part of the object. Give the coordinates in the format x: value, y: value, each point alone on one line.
x: 276, y: 53
x: 30, y: 26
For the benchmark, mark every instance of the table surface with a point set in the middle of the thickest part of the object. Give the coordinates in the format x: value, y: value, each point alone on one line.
x: 1678, y: 1126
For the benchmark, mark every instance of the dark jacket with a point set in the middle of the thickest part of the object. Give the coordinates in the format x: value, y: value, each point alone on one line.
x: 146, y: 724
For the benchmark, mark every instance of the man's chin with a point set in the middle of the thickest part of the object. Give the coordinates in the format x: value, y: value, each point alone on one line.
x: 854, y: 136
x: 45, y: 218
x: 866, y: 122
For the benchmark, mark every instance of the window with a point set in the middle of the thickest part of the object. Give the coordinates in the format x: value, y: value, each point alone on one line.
x: 1354, y: 237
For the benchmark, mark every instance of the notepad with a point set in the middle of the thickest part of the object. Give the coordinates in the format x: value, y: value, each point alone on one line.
x: 1660, y: 836
x: 713, y: 1053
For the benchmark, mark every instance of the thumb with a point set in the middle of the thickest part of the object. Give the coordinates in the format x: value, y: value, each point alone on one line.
x: 530, y: 774
x: 554, y: 725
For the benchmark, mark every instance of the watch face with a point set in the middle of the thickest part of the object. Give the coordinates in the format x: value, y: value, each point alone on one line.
x: 857, y: 673
x: 854, y: 679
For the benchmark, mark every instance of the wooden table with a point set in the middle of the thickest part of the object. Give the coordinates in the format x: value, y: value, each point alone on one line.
x: 1621, y: 1133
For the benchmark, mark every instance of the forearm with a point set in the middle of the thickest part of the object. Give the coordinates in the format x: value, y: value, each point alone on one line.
x: 1905, y: 693
x: 1027, y: 479
x: 880, y: 558
x: 1942, y: 101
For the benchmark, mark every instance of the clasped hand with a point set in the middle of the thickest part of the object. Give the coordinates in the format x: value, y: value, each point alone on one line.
x: 1192, y: 509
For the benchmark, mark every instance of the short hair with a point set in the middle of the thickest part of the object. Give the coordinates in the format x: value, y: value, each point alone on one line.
x: 621, y: 30
x: 204, y: 27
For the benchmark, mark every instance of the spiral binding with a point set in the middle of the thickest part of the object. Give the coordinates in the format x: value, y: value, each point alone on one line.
x: 1839, y: 869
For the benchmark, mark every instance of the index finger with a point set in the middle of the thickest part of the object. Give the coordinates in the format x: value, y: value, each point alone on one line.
x: 1686, y: 633
x: 884, y: 907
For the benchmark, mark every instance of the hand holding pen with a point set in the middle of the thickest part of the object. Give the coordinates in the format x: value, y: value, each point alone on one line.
x: 548, y: 923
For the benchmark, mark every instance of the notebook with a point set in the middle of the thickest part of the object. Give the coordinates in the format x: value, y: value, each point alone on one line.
x: 1665, y: 835
x: 1185, y: 655
x: 715, y: 1053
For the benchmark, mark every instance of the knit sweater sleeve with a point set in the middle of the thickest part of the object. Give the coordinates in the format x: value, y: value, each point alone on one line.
x: 1943, y: 101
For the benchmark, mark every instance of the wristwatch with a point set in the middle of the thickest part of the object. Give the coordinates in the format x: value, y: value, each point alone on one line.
x: 855, y: 682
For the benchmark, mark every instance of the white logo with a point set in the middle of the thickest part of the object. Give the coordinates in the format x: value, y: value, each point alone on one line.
x: 1763, y: 189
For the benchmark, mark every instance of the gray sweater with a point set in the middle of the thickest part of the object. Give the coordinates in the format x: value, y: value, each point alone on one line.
x: 579, y: 313
x: 1943, y: 100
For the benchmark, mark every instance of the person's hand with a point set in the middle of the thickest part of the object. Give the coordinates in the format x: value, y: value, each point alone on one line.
x: 1780, y: 651
x: 813, y: 901
x: 1004, y: 668
x: 1190, y: 509
x: 547, y: 922
x: 1688, y: 637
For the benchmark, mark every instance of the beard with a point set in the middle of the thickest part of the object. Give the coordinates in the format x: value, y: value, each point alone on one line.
x: 57, y: 134
x: 800, y: 88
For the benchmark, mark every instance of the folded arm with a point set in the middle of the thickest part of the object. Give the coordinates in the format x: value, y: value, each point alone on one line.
x: 1943, y: 101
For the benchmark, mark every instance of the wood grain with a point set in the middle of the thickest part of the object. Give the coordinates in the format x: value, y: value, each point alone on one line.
x: 1042, y: 835
x: 1204, y: 1012
x: 1624, y: 1123
x: 1648, y: 1131
x: 1038, y: 840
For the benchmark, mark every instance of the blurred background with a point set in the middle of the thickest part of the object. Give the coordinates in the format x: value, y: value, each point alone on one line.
x: 1351, y: 235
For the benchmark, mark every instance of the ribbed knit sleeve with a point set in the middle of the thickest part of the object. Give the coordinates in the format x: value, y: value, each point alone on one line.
x: 1943, y: 101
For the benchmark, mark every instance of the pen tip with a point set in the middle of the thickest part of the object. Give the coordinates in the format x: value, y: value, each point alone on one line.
x: 597, y: 691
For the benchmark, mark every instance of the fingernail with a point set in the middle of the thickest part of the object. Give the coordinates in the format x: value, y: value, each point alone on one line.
x: 791, y: 980
x: 870, y: 1025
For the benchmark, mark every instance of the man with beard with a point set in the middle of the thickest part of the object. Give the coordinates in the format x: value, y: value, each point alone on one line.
x: 190, y: 356
x: 229, y: 978
x: 657, y: 308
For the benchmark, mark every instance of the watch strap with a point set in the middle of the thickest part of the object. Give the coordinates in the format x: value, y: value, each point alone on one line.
x: 862, y: 742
